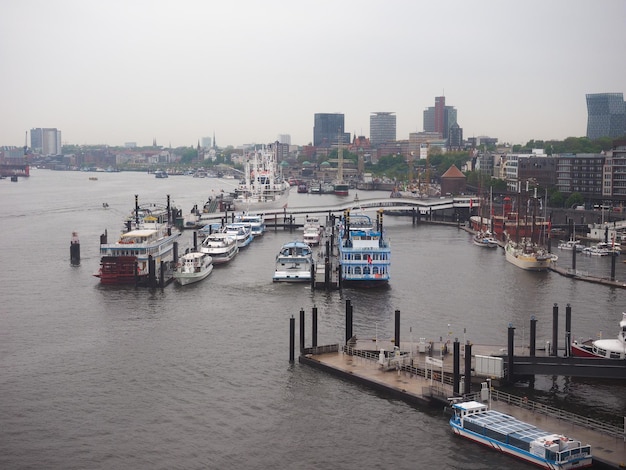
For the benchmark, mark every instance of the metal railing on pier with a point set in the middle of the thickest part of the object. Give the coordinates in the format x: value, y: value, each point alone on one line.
x: 536, y: 407
x: 438, y: 390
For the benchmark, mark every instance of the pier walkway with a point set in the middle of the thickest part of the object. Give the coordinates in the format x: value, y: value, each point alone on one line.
x: 608, y: 443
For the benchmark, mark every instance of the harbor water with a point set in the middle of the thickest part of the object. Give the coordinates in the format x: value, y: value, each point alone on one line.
x: 198, y: 377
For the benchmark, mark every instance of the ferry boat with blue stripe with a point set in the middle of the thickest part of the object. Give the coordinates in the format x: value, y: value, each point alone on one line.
x: 241, y: 231
x: 475, y: 421
x: 257, y: 224
x: 364, y: 252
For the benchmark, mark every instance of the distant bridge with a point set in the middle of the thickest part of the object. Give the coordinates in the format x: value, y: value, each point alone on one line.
x: 425, y: 207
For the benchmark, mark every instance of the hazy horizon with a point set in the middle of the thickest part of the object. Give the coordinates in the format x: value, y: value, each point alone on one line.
x: 138, y: 70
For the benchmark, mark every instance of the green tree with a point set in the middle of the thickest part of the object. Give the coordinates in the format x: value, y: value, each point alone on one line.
x: 556, y: 199
x: 575, y: 199
x: 188, y: 155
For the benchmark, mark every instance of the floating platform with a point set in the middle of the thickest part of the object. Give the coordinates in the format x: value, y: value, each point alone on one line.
x: 609, y: 451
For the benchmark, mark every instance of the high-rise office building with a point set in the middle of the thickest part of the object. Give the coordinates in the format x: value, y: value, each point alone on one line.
x: 439, y: 118
x: 382, y: 128
x: 284, y: 139
x: 606, y: 115
x: 45, y: 141
x: 455, y: 139
x: 328, y: 129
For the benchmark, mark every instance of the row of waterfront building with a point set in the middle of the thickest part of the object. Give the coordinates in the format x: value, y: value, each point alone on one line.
x: 596, y: 176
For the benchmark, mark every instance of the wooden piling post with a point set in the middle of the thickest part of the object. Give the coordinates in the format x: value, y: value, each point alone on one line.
x: 301, y: 331
x: 151, y: 272
x: 555, y: 330
x: 456, y: 367
x: 397, y: 328
x: 348, y: 320
x: 162, y: 274
x: 511, y: 353
x: 533, y: 335
x: 314, y: 327
x: 75, y: 250
x: 568, y: 330
x: 292, y: 339
x: 467, y: 385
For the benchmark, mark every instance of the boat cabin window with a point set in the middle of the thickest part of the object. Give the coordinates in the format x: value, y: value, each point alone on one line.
x: 615, y: 355
x: 551, y: 455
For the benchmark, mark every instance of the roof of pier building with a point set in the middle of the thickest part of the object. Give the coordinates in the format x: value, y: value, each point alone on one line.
x: 453, y: 181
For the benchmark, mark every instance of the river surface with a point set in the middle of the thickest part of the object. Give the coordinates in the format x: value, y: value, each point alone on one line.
x: 198, y: 377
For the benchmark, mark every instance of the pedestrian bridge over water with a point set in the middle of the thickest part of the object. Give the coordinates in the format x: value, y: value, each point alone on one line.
x: 425, y: 207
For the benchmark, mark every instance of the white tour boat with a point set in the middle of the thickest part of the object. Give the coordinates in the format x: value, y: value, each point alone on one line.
x: 475, y: 421
x: 313, y: 231
x: 193, y: 267
x: 222, y: 247
x: 364, y: 251
x: 603, y: 348
x: 127, y: 261
x: 241, y: 231
x: 257, y: 224
x: 485, y: 240
x: 294, y: 263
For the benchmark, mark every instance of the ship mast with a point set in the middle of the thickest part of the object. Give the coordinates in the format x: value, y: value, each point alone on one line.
x: 339, y: 158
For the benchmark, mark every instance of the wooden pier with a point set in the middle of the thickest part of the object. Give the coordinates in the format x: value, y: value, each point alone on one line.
x: 426, y: 374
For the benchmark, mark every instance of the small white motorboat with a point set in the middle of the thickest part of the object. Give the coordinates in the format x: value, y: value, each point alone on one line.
x: 193, y: 267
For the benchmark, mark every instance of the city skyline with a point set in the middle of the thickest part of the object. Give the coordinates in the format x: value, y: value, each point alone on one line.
x: 247, y: 72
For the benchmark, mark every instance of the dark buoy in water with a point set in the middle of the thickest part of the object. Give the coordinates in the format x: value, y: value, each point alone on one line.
x: 75, y: 250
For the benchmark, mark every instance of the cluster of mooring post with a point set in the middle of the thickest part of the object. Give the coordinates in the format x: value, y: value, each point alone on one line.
x: 75, y: 250
x: 613, y: 254
x: 349, y: 334
x: 551, y: 347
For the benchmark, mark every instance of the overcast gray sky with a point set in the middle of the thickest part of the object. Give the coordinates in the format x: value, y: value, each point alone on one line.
x: 114, y: 71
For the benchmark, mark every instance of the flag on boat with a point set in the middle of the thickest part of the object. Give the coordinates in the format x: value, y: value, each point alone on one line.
x: 369, y: 259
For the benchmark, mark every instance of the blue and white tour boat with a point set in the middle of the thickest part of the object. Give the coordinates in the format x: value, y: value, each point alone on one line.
x: 364, y: 252
x: 475, y: 421
x: 294, y: 263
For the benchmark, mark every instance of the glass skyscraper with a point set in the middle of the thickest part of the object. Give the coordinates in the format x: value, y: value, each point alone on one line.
x: 328, y: 129
x: 606, y: 115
